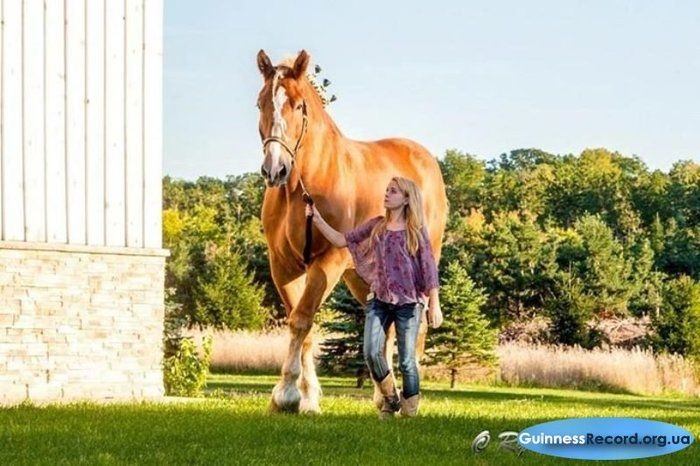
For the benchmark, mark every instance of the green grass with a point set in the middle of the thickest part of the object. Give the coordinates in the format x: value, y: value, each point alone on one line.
x: 234, y: 427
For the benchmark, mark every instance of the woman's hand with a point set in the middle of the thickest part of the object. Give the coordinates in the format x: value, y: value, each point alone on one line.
x: 312, y: 211
x: 434, y: 313
x: 335, y: 237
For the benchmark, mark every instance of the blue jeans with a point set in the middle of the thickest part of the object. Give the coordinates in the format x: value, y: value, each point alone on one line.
x: 406, y: 318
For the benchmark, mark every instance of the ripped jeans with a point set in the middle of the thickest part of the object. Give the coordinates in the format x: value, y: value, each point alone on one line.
x: 406, y: 318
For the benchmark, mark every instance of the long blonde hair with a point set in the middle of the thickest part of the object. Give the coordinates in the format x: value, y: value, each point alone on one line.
x: 412, y: 213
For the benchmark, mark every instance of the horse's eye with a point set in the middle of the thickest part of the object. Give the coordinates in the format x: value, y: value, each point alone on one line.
x: 257, y: 104
x: 299, y: 106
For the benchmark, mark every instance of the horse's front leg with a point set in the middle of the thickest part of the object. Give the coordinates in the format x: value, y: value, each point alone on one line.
x: 321, y: 277
x: 308, y: 383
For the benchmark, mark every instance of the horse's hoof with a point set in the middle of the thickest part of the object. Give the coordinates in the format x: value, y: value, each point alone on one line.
x: 283, y: 409
x: 309, y: 406
x: 285, y: 399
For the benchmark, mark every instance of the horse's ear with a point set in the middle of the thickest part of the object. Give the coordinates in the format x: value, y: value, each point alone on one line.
x: 265, y: 65
x: 301, y: 63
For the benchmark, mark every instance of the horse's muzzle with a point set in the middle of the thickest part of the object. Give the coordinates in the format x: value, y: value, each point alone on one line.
x: 276, y: 176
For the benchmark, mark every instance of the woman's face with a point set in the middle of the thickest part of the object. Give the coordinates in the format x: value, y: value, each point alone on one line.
x: 393, y: 197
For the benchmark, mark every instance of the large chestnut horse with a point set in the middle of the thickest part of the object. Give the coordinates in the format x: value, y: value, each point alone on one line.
x: 304, y: 151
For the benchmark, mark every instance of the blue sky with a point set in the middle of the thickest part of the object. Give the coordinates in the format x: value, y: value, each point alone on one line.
x: 481, y: 77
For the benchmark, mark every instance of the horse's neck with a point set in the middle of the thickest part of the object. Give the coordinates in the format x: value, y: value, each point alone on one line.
x: 319, y: 161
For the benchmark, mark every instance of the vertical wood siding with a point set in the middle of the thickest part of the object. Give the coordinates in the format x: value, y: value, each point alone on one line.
x: 81, y: 121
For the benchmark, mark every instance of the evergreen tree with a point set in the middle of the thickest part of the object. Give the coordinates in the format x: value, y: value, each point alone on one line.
x: 604, y: 270
x: 225, y: 294
x: 514, y: 265
x: 677, y: 325
x: 342, y: 352
x: 465, y: 335
x: 570, y: 309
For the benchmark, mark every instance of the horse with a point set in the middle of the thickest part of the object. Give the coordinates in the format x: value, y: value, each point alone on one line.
x: 304, y: 153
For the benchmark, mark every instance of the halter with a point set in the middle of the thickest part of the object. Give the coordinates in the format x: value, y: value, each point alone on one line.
x: 293, y: 152
x: 281, y: 141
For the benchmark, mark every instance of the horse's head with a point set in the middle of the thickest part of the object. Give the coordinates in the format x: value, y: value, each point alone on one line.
x: 283, y: 115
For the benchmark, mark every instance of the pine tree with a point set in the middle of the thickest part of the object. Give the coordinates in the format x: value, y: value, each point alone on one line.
x: 342, y: 353
x: 677, y: 326
x: 465, y: 335
x: 225, y: 294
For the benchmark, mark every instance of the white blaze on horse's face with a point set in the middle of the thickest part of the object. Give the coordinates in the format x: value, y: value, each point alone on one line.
x: 277, y: 161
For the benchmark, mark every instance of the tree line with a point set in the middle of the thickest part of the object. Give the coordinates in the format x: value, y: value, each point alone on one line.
x: 571, y: 239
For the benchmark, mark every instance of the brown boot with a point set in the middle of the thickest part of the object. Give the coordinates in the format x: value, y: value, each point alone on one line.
x: 390, y: 402
x: 409, y: 406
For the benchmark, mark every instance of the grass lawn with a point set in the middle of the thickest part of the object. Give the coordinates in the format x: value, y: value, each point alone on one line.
x: 232, y: 426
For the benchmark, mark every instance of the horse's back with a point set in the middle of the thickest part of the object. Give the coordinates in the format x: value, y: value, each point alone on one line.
x: 385, y: 158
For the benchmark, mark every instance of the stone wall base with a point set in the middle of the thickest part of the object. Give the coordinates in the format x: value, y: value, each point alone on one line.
x: 80, y: 323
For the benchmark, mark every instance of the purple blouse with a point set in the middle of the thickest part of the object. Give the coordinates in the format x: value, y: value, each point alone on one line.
x: 392, y: 273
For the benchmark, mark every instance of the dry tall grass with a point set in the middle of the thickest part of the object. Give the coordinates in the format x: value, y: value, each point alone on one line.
x: 246, y: 351
x: 634, y: 371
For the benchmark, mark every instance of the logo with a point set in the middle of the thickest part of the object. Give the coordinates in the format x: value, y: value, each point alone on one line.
x: 605, y: 438
x: 507, y: 441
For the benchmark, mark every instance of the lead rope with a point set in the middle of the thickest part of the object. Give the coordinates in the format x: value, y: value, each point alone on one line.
x: 305, y: 196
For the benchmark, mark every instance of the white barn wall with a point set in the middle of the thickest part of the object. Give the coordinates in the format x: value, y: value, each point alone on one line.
x: 152, y: 122
x: 81, y: 265
x: 134, y: 120
x: 75, y: 120
x: 94, y: 123
x: 34, y: 117
x: 12, y: 211
x: 56, y: 229
x: 81, y: 110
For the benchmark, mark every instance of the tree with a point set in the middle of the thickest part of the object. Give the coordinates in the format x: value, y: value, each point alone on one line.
x: 684, y: 192
x: 519, y: 182
x: 599, y: 261
x: 464, y: 176
x: 570, y: 309
x: 223, y: 215
x: 596, y: 182
x: 342, y: 352
x: 465, y: 335
x: 225, y: 294
x: 513, y: 265
x: 650, y: 197
x: 677, y: 325
x: 647, y: 282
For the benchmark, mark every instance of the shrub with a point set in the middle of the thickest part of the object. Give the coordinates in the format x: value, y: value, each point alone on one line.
x: 185, y: 373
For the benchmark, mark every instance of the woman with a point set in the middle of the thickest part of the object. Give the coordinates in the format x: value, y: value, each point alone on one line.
x: 399, y: 266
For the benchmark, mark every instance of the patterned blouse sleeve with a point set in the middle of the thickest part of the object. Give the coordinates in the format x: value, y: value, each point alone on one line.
x: 362, y: 232
x: 360, y: 250
x: 428, y: 267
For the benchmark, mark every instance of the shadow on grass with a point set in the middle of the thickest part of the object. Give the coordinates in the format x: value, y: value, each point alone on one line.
x: 336, y: 386
x: 594, y: 399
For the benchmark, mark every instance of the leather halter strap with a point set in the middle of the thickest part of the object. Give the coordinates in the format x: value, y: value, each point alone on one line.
x: 283, y: 143
x: 305, y: 194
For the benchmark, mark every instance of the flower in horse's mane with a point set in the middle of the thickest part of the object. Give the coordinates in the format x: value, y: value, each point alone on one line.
x: 320, y: 88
